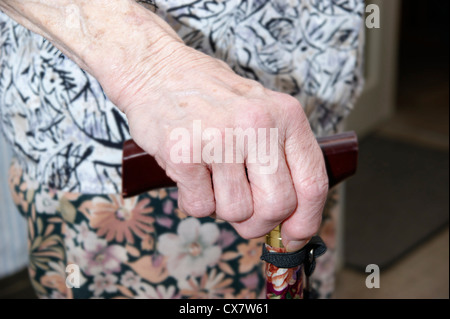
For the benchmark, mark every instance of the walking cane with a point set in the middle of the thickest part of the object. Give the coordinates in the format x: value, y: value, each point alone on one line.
x: 285, y: 271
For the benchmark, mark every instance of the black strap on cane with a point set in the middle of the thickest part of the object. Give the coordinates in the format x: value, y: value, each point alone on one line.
x: 305, y: 256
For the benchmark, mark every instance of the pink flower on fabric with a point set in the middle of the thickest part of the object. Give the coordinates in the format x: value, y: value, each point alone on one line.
x: 101, y: 257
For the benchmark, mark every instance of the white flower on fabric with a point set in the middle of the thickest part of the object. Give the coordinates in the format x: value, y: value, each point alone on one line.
x: 75, y: 237
x: 84, y: 233
x: 45, y: 203
x: 101, y: 257
x: 192, y: 249
x: 76, y: 255
x: 106, y: 283
x: 160, y: 292
x: 131, y: 280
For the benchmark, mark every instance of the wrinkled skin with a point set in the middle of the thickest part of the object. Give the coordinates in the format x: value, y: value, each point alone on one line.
x: 161, y: 85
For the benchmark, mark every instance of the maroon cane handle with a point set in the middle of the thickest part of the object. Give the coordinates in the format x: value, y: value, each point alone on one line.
x: 141, y: 172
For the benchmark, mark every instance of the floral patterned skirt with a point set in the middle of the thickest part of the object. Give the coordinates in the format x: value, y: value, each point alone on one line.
x: 142, y: 247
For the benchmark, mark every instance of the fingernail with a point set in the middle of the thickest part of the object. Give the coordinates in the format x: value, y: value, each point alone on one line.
x: 294, y: 245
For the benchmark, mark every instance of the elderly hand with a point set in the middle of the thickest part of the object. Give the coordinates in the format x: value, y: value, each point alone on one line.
x: 166, y: 88
x: 192, y: 89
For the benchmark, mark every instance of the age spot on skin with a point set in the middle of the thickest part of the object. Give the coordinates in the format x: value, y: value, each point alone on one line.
x: 134, y: 19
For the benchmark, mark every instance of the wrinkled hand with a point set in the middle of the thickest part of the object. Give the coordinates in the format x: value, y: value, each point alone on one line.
x: 164, y: 86
x: 190, y: 86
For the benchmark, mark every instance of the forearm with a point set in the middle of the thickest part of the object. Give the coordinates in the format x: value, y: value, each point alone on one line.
x: 103, y: 37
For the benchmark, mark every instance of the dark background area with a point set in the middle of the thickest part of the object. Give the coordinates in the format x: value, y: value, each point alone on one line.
x: 399, y: 197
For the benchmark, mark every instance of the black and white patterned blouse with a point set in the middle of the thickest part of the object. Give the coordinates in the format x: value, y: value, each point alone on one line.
x: 67, y: 134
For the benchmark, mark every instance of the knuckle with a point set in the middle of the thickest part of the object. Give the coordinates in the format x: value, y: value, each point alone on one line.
x: 288, y: 200
x: 278, y: 205
x: 255, y: 114
x: 289, y: 104
x: 236, y: 211
x: 290, y: 204
x: 270, y: 213
x: 197, y: 208
x: 293, y: 115
x: 314, y: 188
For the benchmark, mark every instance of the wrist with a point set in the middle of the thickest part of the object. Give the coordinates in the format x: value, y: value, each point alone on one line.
x: 115, y: 41
x: 127, y: 69
x: 125, y: 48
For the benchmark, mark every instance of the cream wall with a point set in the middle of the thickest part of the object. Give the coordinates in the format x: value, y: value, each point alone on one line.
x: 377, y: 102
